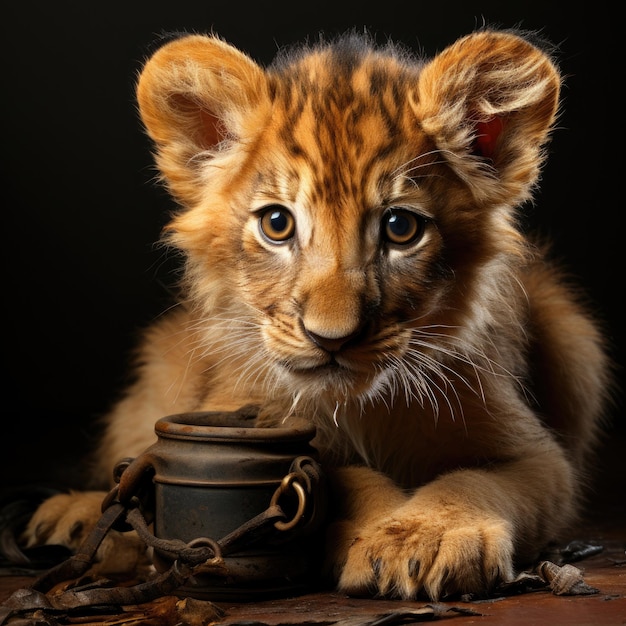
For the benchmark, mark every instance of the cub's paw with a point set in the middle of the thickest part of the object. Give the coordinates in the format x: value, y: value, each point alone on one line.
x: 438, y: 553
x: 67, y: 519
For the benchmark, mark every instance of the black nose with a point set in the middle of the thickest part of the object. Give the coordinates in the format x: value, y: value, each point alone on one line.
x: 332, y: 344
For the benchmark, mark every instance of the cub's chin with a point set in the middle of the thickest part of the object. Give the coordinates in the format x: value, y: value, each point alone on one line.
x: 336, y: 380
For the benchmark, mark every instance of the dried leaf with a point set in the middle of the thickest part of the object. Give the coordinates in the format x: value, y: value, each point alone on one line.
x: 578, y: 550
x: 194, y: 612
x: 565, y: 580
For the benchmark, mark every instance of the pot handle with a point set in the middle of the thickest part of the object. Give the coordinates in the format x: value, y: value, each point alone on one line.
x: 132, y: 477
x: 307, y: 480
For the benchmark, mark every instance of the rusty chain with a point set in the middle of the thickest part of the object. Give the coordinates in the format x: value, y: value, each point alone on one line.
x: 125, y: 508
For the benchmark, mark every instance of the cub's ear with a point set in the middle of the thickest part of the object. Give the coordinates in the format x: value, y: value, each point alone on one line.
x: 489, y: 101
x: 198, y: 96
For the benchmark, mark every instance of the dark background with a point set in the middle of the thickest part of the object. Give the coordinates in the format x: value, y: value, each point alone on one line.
x: 81, y: 211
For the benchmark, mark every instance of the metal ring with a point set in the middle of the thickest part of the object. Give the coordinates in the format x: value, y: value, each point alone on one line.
x: 289, y: 481
x: 210, y: 543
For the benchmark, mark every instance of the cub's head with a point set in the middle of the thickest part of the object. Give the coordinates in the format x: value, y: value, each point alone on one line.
x: 347, y: 213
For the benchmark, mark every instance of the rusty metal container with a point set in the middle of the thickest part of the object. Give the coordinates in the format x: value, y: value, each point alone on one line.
x: 212, y: 473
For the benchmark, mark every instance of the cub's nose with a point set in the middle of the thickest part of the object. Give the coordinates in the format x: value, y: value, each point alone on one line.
x: 333, y: 344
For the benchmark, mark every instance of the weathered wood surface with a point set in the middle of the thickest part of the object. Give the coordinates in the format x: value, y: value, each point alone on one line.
x: 604, y: 525
x: 605, y: 571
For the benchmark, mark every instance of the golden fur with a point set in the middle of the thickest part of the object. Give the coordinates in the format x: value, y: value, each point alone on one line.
x: 348, y: 221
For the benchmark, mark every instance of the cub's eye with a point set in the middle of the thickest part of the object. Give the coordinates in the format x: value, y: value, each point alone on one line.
x: 402, y: 227
x: 276, y: 223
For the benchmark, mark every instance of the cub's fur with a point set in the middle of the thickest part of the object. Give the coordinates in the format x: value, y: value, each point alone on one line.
x: 353, y: 256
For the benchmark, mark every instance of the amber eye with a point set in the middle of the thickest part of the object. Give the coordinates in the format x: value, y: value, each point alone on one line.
x: 402, y: 227
x: 277, y: 223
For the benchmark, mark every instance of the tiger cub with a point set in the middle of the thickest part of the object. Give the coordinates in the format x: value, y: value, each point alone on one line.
x: 348, y: 220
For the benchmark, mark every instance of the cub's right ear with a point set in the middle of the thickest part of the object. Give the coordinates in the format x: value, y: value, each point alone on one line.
x: 197, y: 96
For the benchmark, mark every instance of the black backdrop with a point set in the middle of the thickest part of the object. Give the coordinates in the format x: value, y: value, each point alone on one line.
x: 81, y: 212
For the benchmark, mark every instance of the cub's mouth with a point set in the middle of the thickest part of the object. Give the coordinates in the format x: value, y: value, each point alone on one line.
x: 336, y: 372
x: 332, y: 367
x: 352, y: 364
x: 304, y: 366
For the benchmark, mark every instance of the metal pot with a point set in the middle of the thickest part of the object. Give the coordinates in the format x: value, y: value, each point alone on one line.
x: 212, y: 473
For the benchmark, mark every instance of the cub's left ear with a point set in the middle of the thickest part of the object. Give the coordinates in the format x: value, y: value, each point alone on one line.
x: 490, y: 99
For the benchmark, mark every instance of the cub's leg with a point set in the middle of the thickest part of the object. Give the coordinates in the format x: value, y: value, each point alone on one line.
x: 461, y: 533
x: 170, y: 379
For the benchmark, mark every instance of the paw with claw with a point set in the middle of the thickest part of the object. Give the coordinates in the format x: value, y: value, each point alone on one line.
x: 437, y: 553
x: 433, y: 542
x: 67, y: 519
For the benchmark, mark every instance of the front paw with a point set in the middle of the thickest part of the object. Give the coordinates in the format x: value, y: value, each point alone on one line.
x: 67, y: 519
x: 438, y: 553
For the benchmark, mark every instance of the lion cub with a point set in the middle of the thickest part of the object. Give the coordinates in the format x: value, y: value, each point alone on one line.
x: 353, y: 256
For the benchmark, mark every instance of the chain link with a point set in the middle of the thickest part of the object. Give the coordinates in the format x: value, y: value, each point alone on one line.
x: 290, y: 482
